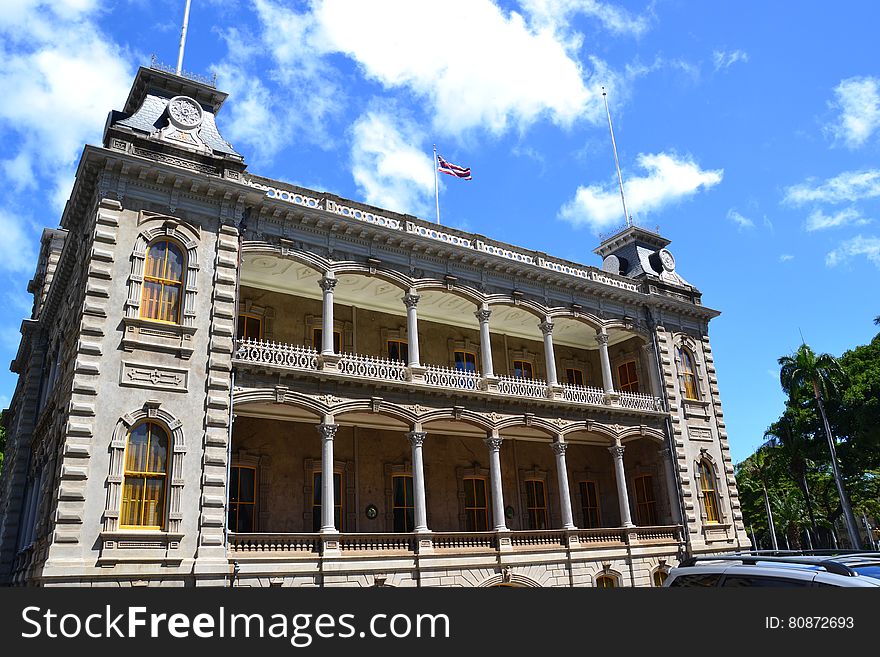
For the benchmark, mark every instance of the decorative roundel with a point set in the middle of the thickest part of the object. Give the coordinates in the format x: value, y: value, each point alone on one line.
x: 371, y: 511
x: 184, y: 112
x: 667, y: 260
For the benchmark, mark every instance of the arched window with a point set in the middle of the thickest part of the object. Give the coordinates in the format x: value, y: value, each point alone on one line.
x: 606, y: 582
x: 710, y: 495
x: 688, y: 374
x: 163, y: 282
x: 146, y: 474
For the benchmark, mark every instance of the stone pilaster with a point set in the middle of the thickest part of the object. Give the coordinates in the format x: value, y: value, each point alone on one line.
x: 211, y: 563
x: 78, y: 437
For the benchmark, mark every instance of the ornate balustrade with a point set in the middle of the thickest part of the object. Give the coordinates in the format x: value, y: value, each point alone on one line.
x: 268, y: 544
x: 263, y: 353
x: 371, y: 367
x: 639, y: 401
x: 376, y: 542
x: 448, y: 377
x: 583, y: 395
x: 465, y: 541
x: 243, y: 546
x: 535, y: 388
x: 276, y: 354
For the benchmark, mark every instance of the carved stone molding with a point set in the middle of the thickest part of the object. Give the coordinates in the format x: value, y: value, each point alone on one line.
x: 327, y: 431
x: 416, y: 438
x: 493, y: 443
x: 153, y: 377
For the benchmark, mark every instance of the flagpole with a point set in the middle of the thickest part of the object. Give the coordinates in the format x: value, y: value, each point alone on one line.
x: 626, y: 218
x: 183, y: 38
x: 436, y: 185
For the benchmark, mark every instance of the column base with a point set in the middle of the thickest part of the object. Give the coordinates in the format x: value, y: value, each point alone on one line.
x: 329, y: 362
x: 416, y: 373
x: 489, y: 383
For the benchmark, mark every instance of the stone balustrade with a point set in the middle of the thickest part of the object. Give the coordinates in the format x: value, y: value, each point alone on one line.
x: 514, y: 387
x: 243, y: 546
x: 294, y: 357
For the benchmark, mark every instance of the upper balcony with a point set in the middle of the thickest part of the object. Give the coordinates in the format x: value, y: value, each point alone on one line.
x: 360, y: 327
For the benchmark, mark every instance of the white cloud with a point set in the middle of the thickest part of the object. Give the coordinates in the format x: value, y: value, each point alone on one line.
x: 858, y: 100
x: 17, y: 248
x: 786, y: 257
x: 818, y: 220
x: 669, y: 178
x: 741, y: 222
x: 847, y: 186
x: 723, y: 59
x: 478, y: 67
x: 557, y: 13
x: 60, y: 76
x: 857, y: 246
x: 389, y: 168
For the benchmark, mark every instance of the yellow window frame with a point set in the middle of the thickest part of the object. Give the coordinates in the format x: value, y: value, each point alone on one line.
x: 145, y: 475
x: 163, y: 281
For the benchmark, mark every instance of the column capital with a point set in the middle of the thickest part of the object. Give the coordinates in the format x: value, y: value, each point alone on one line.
x: 483, y: 314
x: 327, y: 431
x: 411, y: 300
x: 416, y: 438
x: 559, y: 447
x: 546, y: 327
x: 327, y: 284
x: 617, y: 451
x: 493, y: 443
x: 602, y: 337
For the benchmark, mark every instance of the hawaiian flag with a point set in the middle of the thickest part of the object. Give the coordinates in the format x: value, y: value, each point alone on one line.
x: 453, y: 169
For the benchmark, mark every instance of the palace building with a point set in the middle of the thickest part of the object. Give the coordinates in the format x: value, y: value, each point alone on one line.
x: 227, y: 380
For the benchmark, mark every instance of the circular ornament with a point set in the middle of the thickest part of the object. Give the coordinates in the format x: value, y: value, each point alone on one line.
x: 666, y: 260
x: 185, y: 113
x: 509, y: 512
x: 371, y: 512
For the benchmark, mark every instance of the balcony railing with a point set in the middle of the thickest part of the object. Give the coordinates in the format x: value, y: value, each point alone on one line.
x: 639, y: 401
x: 371, y: 368
x: 508, y: 385
x: 583, y: 395
x: 448, y: 377
x: 277, y: 354
x: 302, y: 546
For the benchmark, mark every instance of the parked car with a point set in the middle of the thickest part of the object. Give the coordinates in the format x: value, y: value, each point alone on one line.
x: 778, y: 569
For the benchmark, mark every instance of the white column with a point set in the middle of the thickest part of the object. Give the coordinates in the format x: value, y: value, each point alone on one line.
x: 671, y: 485
x: 602, y: 340
x: 620, y: 475
x: 416, y: 438
x: 328, y: 432
x: 482, y: 316
x: 559, y: 447
x: 411, y: 300
x: 493, y: 442
x: 547, y: 329
x: 327, y: 283
x: 650, y: 362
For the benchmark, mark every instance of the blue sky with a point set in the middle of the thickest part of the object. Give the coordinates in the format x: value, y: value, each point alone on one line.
x: 748, y: 131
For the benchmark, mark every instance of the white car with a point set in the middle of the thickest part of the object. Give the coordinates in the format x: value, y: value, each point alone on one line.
x: 860, y: 569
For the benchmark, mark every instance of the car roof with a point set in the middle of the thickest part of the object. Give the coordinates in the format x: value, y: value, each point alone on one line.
x: 841, y: 569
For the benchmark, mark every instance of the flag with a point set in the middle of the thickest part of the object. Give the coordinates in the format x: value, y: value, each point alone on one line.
x: 453, y: 169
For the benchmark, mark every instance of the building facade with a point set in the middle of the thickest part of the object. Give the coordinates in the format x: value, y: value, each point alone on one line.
x: 231, y: 381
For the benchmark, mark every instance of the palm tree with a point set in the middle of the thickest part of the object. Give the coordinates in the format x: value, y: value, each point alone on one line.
x: 794, y: 447
x: 807, y: 370
x: 759, y: 466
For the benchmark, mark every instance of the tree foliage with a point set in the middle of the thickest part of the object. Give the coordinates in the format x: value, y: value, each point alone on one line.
x: 794, y: 461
